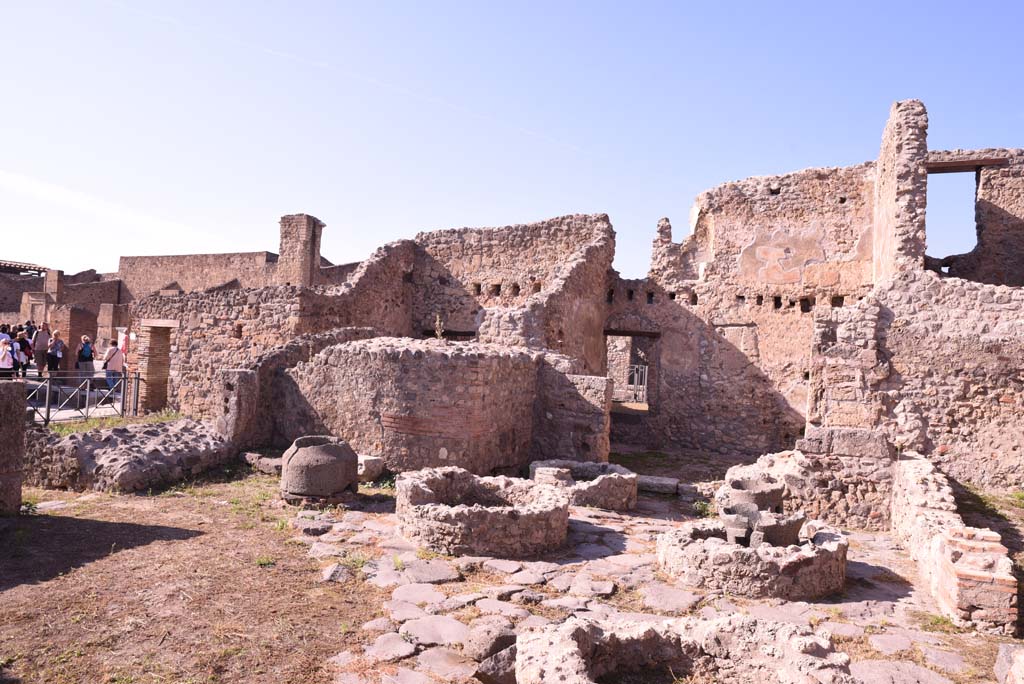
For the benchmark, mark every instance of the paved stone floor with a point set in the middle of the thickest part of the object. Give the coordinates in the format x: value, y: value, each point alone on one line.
x: 446, y: 614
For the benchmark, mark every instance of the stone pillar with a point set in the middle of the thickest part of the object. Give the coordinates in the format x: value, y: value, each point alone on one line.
x: 53, y: 285
x: 299, y: 254
x: 239, y: 406
x: 152, y: 358
x: 12, y: 445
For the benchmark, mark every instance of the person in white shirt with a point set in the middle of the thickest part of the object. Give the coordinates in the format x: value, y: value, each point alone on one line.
x: 113, y: 364
x: 6, y: 358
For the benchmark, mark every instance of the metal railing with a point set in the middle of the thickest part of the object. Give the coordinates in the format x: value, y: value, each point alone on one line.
x: 636, y: 383
x: 79, y: 395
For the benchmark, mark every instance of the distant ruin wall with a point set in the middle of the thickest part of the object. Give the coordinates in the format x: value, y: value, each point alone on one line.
x: 571, y: 414
x: 901, y: 191
x: 92, y: 296
x: 938, y: 365
x: 233, y: 328
x: 144, y: 275
x: 11, y: 290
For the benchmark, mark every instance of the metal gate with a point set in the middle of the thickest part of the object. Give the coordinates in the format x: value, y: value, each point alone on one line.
x: 636, y: 383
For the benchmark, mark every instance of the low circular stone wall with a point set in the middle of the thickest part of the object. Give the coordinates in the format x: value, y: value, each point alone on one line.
x: 417, y: 403
x: 699, y: 555
x: 730, y: 650
x: 452, y: 511
x: 602, y: 485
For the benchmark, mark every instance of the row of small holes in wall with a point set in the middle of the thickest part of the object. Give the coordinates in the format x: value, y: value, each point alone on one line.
x: 806, y: 303
x: 778, y: 191
x: 630, y: 295
x: 495, y: 289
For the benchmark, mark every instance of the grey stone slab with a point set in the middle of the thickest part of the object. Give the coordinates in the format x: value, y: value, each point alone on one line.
x: 419, y: 594
x: 488, y: 635
x: 500, y: 565
x: 890, y: 643
x: 500, y: 668
x: 433, y: 571
x: 494, y: 606
x: 446, y: 664
x: 389, y: 647
x: 435, y: 630
x: 947, y: 661
x: 664, y: 598
x: 894, y: 672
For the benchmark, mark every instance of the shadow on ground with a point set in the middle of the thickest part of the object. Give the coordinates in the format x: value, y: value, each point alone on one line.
x: 37, y: 548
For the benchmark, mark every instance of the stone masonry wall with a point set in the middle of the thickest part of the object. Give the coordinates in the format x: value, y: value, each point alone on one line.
x: 571, y: 418
x: 144, y: 275
x: 417, y: 403
x: 936, y: 364
x: 966, y: 569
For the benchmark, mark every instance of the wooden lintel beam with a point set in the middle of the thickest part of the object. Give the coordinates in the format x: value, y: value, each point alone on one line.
x: 964, y: 165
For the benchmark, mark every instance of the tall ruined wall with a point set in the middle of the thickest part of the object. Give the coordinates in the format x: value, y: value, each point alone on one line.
x: 937, y: 364
x: 901, y: 191
x: 417, y: 403
x: 998, y: 258
x: 144, y: 275
x: 460, y: 272
x: 734, y: 305
x: 233, y: 328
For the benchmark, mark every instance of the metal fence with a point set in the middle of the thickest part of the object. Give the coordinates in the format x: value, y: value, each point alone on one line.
x: 73, y: 395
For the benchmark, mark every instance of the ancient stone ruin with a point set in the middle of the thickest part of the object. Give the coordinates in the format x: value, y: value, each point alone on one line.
x: 604, y: 485
x: 754, y: 548
x: 558, y: 435
x: 452, y: 511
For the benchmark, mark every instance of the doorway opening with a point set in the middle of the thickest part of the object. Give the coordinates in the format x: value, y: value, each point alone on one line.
x: 951, y: 219
x: 632, y: 366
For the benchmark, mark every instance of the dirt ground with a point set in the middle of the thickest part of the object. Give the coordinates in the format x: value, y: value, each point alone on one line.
x: 195, y: 584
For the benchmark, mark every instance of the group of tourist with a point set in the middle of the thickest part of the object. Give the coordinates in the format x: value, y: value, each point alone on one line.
x: 27, y: 345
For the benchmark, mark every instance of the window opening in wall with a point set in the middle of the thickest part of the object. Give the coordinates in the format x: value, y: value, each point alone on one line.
x: 791, y: 303
x: 951, y: 222
x: 806, y: 304
x: 777, y: 302
x: 672, y: 296
x: 740, y: 299
x: 807, y: 375
x: 760, y: 300
x: 693, y: 299
x: 477, y: 288
x: 495, y: 289
x: 611, y: 295
x: 838, y: 301
x: 536, y: 287
x: 650, y: 297
x: 629, y: 295
x: 630, y: 362
x: 774, y: 191
x: 842, y: 199
x: 515, y: 289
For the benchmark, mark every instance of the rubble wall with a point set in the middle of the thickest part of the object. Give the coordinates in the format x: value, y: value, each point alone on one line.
x: 12, y: 445
x: 937, y: 365
x: 416, y: 403
x: 966, y: 569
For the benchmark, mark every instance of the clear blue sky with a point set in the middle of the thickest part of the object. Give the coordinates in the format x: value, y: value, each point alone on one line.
x: 182, y: 127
